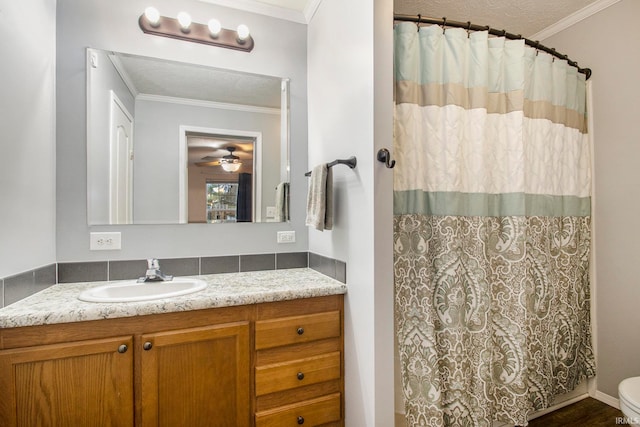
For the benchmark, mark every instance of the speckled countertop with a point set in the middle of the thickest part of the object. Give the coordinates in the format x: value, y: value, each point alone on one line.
x: 60, y: 303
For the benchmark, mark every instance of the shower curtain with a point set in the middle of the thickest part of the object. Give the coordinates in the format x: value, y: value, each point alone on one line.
x: 491, y: 227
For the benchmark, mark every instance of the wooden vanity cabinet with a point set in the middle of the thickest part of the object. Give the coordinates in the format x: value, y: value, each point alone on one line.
x: 270, y: 364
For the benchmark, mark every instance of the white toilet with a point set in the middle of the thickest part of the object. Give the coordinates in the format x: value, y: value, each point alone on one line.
x: 629, y: 394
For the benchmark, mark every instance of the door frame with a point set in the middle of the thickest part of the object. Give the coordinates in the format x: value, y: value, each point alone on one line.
x: 115, y: 101
x: 183, y: 173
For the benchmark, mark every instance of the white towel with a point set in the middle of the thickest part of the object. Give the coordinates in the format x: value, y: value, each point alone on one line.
x: 282, y: 202
x: 320, y: 199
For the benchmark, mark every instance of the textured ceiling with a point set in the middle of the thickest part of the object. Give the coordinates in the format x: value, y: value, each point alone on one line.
x: 213, y: 147
x: 298, y: 5
x: 157, y: 77
x: 526, y: 17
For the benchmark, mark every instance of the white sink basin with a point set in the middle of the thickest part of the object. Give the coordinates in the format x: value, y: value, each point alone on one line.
x: 134, y: 291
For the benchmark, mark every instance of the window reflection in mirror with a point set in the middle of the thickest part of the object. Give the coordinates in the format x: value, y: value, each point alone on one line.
x: 222, y: 202
x: 158, y: 131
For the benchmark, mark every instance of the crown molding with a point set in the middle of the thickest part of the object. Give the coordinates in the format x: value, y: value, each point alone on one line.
x: 573, y: 19
x: 265, y: 9
x: 310, y: 9
x: 207, y: 104
x: 126, y: 78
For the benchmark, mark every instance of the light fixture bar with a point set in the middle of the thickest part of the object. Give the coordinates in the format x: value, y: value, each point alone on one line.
x: 197, y: 33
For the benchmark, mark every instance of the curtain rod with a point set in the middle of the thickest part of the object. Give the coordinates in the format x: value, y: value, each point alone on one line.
x: 419, y: 19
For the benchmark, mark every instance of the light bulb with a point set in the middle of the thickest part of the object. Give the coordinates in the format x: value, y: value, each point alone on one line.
x: 214, y: 27
x: 152, y: 15
x: 185, y: 20
x: 243, y: 32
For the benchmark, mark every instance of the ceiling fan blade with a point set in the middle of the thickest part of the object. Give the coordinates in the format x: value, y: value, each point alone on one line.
x: 214, y: 163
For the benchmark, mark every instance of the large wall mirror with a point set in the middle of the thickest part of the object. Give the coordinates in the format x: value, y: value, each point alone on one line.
x: 176, y: 143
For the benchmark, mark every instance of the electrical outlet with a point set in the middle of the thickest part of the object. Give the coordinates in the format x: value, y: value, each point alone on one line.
x: 271, y: 211
x: 105, y: 241
x: 286, y: 236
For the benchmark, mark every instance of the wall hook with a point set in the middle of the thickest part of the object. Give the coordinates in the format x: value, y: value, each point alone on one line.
x: 385, y: 157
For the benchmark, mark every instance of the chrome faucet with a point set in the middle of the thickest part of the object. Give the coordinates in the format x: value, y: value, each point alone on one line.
x: 153, y: 273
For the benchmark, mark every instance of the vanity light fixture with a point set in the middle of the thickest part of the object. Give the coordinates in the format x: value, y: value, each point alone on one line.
x: 182, y: 28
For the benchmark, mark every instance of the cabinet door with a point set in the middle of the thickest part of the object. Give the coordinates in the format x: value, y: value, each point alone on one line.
x: 196, y: 377
x: 86, y: 383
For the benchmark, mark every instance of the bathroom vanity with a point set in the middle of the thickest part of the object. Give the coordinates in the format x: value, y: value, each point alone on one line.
x: 267, y: 353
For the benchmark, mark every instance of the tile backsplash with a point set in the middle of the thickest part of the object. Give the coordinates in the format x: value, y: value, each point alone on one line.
x: 17, y: 287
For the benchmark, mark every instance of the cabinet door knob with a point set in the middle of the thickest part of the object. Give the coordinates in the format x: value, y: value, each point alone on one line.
x: 147, y: 346
x: 300, y: 420
x: 300, y: 331
x: 300, y: 376
x: 123, y: 348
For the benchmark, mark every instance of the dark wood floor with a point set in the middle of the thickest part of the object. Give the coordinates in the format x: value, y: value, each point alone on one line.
x: 587, y: 412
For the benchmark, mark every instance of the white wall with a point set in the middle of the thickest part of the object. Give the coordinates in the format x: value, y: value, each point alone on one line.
x: 280, y: 50
x: 608, y: 44
x: 350, y: 68
x: 27, y: 142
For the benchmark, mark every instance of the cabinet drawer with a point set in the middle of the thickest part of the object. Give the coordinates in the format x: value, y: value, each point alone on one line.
x: 297, y: 329
x: 297, y: 373
x: 314, y: 412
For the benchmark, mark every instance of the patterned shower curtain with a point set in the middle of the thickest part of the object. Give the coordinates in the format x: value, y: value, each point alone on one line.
x: 491, y: 227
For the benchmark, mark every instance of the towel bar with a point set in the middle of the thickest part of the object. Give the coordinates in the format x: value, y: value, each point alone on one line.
x: 351, y: 162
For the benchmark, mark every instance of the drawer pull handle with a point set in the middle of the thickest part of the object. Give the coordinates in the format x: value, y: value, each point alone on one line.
x: 123, y: 348
x: 300, y: 376
x: 300, y: 420
x: 300, y: 331
x: 147, y: 346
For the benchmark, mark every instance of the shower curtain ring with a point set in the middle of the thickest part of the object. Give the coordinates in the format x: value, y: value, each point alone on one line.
x: 418, y: 23
x: 444, y: 23
x: 468, y: 29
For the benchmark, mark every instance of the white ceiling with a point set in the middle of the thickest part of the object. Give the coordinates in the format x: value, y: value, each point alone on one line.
x: 526, y: 17
x: 151, y: 76
x: 531, y: 18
